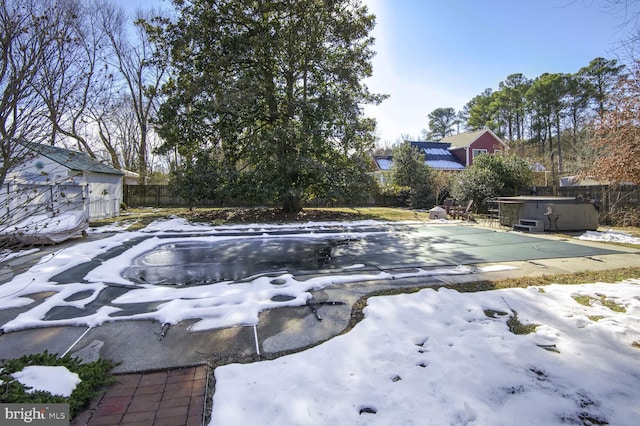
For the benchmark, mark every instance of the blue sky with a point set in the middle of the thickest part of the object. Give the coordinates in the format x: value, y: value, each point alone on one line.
x: 442, y: 53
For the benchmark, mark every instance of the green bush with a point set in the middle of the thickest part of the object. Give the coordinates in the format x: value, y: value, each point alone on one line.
x: 93, y: 376
x: 492, y: 176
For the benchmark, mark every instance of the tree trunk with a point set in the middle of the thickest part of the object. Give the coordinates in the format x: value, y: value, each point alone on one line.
x: 560, y: 165
x: 142, y: 156
x: 115, y: 161
x: 292, y: 204
x: 554, y: 166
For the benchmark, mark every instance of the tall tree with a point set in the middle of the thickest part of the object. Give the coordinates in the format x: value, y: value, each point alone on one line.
x: 72, y: 78
x: 478, y: 111
x: 545, y: 99
x: 274, y: 89
x: 142, y: 66
x: 27, y: 31
x: 577, y: 97
x: 509, y: 103
x: 441, y: 123
x: 600, y: 77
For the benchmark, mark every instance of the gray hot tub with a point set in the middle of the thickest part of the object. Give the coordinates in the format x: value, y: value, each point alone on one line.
x: 549, y: 213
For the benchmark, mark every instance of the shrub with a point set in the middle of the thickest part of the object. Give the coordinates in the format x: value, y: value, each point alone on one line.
x: 409, y: 170
x: 93, y: 376
x: 492, y: 176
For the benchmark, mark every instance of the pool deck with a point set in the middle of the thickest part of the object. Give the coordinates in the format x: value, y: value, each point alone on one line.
x: 168, y: 368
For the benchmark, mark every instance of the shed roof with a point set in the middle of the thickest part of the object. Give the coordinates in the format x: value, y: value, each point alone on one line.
x: 73, y: 160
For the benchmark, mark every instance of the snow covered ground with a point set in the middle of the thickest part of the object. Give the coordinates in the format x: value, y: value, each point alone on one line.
x: 446, y: 358
x: 610, y: 236
x: 430, y: 358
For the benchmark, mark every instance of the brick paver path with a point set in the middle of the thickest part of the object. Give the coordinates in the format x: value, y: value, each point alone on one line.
x: 159, y: 398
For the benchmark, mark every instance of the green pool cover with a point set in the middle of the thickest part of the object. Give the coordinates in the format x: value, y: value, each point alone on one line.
x: 435, y: 245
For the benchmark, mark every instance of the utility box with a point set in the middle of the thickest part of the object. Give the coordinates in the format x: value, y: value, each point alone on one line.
x: 555, y: 213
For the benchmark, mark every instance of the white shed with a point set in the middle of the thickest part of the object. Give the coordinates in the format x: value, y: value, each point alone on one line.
x: 54, y: 180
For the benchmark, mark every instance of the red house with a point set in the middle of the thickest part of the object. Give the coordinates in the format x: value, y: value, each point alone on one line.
x: 451, y: 153
x: 465, y: 146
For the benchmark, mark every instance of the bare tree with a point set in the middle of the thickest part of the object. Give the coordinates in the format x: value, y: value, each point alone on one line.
x: 142, y: 67
x: 617, y: 133
x: 118, y: 130
x: 26, y: 33
x: 72, y: 77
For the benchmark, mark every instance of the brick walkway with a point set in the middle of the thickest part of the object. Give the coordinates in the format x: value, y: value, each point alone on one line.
x: 169, y: 397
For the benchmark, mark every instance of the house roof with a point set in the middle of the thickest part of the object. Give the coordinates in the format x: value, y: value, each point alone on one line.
x: 73, y: 160
x: 462, y: 140
x: 438, y: 156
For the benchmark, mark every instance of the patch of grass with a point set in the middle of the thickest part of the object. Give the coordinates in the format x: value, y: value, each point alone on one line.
x: 492, y: 314
x: 583, y: 300
x: 141, y: 217
x: 94, y: 376
x: 517, y: 327
x: 585, y: 277
x: 611, y: 304
x: 636, y: 344
x: 514, y: 324
x: 392, y: 214
x: 225, y: 216
x: 604, y: 301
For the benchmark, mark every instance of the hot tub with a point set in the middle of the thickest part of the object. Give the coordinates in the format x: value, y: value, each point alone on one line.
x: 549, y: 213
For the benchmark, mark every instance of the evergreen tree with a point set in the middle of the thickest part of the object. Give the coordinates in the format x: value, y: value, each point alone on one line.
x: 509, y: 103
x: 478, y: 111
x: 274, y: 88
x: 441, y: 123
x: 409, y: 170
x: 600, y: 78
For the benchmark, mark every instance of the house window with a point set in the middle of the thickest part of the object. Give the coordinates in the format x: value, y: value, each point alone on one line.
x: 497, y: 151
x: 477, y: 152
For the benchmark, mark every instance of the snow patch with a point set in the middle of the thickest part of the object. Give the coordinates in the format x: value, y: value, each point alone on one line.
x: 609, y: 236
x: 57, y: 380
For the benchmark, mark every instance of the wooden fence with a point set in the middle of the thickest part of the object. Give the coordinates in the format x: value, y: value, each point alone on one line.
x: 162, y: 196
x: 609, y: 197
